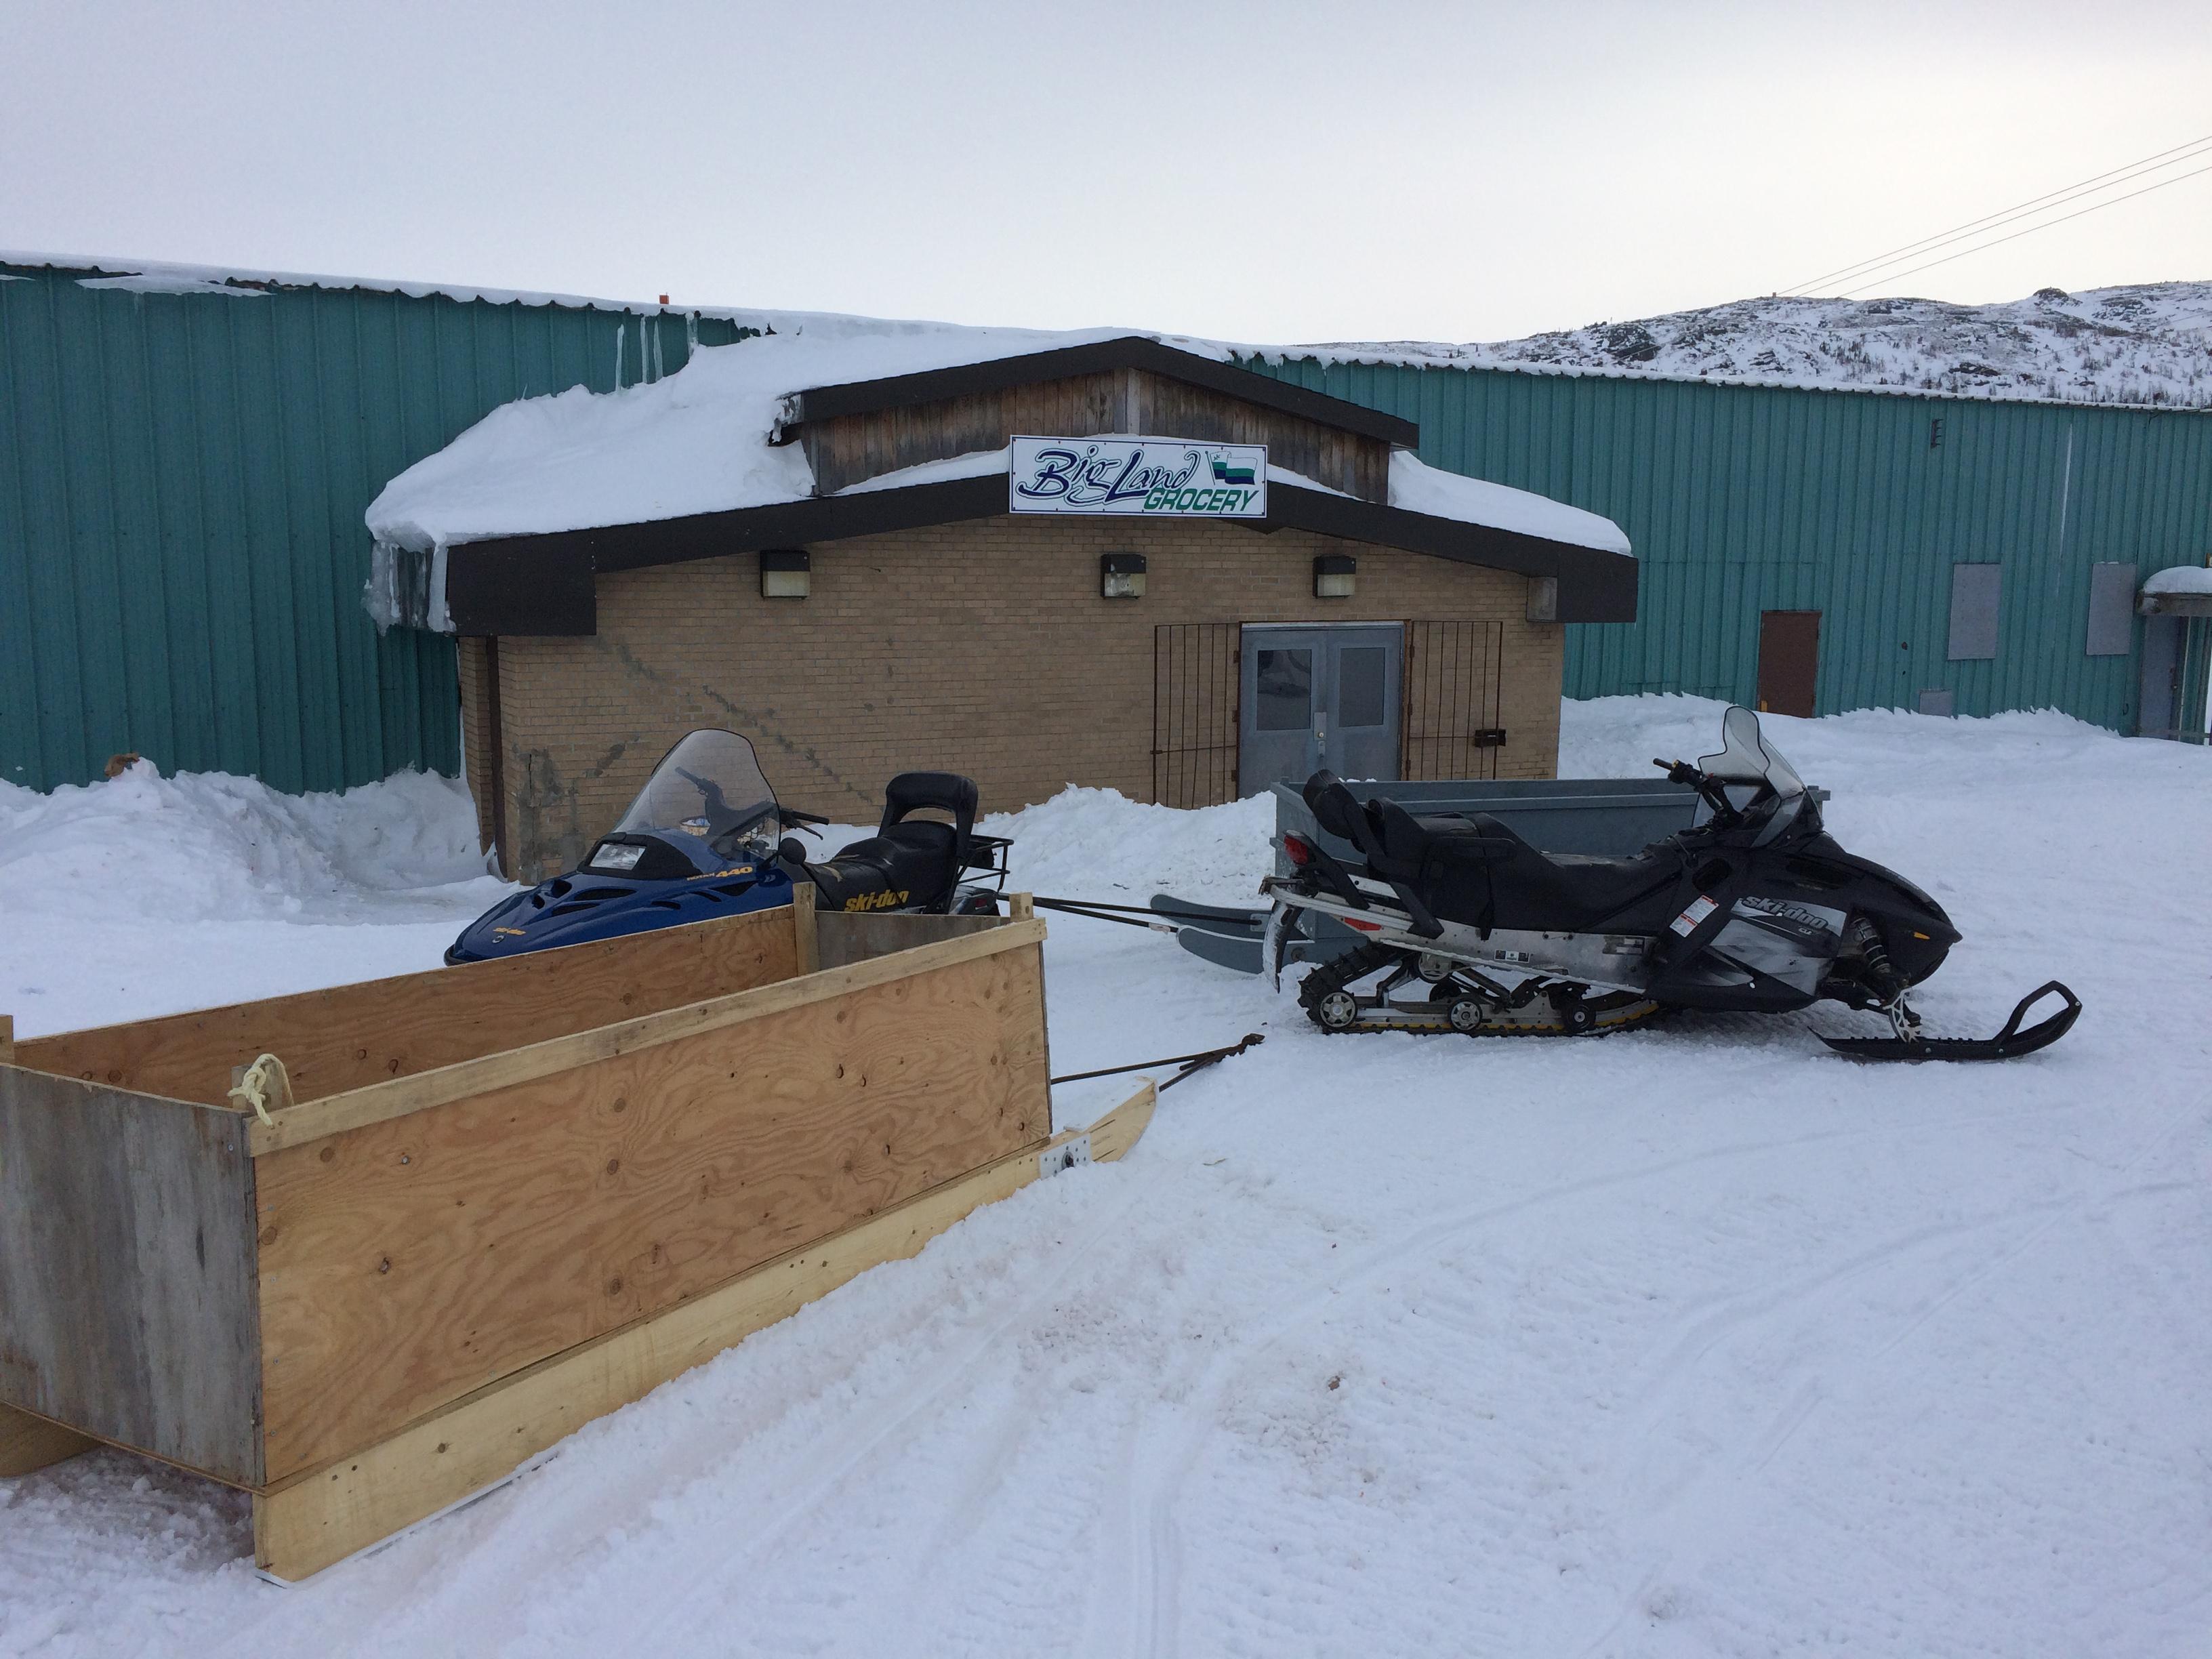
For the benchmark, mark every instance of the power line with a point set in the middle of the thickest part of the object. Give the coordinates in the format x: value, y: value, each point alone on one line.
x: 2045, y: 225
x: 1989, y: 221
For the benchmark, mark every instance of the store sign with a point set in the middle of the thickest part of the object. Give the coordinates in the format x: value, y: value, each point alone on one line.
x: 1155, y: 477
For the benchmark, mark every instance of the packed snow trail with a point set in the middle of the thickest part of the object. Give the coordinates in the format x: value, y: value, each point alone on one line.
x: 1690, y: 1341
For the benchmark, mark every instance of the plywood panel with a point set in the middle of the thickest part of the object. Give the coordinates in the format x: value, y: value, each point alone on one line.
x: 408, y: 1262
x: 352, y: 1035
x: 29, y: 1443
x: 126, y: 1270
x: 357, y: 1108
x: 323, y: 1515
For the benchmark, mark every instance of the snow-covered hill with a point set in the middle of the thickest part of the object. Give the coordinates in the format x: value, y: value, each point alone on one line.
x: 2150, y: 342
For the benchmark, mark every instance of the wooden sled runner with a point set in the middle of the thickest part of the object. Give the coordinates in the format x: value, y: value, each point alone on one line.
x: 487, y: 1204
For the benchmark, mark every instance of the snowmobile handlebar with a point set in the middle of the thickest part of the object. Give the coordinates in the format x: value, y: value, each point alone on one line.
x: 1680, y: 771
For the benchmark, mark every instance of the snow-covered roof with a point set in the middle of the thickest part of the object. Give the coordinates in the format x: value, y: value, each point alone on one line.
x: 2191, y: 579
x: 698, y: 441
x: 165, y: 276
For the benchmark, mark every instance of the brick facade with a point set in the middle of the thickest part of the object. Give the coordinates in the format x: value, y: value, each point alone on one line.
x: 981, y: 648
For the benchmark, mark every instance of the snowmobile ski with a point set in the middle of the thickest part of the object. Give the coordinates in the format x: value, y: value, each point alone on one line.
x: 2010, y: 1043
x: 1222, y: 950
x: 1236, y: 921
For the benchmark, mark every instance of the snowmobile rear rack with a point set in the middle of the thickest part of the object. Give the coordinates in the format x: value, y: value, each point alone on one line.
x: 2010, y: 1043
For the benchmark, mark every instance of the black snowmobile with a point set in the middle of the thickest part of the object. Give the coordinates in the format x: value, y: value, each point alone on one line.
x: 1754, y: 910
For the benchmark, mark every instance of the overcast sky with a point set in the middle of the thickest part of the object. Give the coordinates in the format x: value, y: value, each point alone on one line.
x: 1292, y: 173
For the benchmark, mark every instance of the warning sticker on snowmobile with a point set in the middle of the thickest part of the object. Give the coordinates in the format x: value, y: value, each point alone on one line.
x: 1686, y: 923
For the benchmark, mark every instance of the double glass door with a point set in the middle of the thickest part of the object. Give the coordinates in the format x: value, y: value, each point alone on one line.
x: 1319, y: 697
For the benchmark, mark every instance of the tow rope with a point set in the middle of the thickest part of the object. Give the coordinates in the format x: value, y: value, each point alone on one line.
x: 1129, y: 914
x: 1189, y: 1063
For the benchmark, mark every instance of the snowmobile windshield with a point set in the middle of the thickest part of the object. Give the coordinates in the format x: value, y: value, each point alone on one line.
x: 710, y: 785
x: 1762, y: 785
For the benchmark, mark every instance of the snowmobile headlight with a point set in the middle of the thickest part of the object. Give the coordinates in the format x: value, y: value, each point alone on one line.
x: 1296, y: 849
x: 616, y: 855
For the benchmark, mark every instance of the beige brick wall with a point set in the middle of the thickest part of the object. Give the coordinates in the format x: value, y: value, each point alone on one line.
x: 476, y: 731
x: 979, y: 647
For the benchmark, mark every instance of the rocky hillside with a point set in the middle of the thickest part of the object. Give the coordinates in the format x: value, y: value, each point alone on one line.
x: 2147, y: 343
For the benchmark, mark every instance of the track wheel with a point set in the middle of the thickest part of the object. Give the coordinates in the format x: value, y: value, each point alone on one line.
x: 1574, y: 1010
x: 1467, y: 1015
x: 1337, y: 1011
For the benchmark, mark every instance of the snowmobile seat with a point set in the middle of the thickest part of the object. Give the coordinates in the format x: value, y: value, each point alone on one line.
x: 895, y: 874
x: 910, y: 863
x: 1568, y: 892
x: 923, y: 792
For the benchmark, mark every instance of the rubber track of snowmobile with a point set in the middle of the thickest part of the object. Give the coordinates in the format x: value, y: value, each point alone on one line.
x: 1356, y: 964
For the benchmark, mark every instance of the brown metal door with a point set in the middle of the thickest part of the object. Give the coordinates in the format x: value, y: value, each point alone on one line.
x: 1789, y: 660
x: 1455, y: 680
x: 1194, y: 713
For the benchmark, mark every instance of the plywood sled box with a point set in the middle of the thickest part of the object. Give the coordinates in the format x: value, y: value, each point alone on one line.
x: 489, y: 1203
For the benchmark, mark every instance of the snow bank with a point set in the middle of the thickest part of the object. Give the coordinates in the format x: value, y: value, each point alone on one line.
x: 206, y: 846
x: 142, y: 894
x: 1094, y: 843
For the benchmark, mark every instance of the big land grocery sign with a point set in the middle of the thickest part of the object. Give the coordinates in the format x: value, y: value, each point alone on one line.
x: 1154, y: 477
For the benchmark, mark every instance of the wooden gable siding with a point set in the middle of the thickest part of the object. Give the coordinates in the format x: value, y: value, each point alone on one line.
x: 847, y: 449
x: 850, y: 447
x: 1328, y: 455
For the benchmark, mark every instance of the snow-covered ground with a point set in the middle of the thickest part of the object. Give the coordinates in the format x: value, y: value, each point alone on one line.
x: 2148, y: 343
x: 1693, y: 1341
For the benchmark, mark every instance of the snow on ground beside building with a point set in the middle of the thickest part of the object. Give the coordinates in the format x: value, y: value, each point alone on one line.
x: 1690, y: 1340
x: 2148, y: 343
x: 145, y: 894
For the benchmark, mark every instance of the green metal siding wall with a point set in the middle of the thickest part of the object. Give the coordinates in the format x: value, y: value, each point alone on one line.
x: 1741, y: 499
x: 182, y: 481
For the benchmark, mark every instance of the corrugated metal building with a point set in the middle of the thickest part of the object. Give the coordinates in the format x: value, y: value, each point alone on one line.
x: 184, y: 460
x: 1949, y: 547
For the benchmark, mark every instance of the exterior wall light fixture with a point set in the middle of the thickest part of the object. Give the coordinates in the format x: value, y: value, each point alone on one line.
x: 784, y: 573
x: 1333, y: 575
x: 1120, y: 575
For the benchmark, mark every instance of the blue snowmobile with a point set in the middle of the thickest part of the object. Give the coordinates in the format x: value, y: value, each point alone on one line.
x: 701, y: 841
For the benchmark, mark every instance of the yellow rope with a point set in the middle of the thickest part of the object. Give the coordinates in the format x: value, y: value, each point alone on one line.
x: 254, y: 1088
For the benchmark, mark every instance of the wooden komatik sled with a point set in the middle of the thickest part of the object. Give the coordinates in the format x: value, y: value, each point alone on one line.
x: 464, y: 1211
